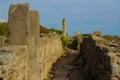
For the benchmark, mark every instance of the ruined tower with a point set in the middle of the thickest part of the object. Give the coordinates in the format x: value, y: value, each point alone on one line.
x: 64, y: 28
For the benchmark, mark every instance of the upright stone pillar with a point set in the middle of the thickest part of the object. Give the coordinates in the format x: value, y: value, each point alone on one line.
x: 24, y: 30
x: 64, y: 28
x: 33, y: 47
x: 18, y: 26
x: 18, y: 23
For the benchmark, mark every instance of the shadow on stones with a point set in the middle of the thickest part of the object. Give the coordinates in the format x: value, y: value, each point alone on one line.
x: 1, y: 78
x: 93, y: 61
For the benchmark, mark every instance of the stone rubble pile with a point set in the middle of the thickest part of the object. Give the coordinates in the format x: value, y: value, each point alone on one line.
x: 97, y: 59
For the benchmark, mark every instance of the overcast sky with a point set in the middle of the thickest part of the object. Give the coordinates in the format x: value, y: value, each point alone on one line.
x: 84, y: 16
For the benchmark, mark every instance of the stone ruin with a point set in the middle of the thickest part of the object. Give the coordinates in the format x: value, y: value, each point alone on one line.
x: 64, y: 28
x: 97, y: 33
x: 78, y: 38
x: 27, y: 56
x: 97, y: 59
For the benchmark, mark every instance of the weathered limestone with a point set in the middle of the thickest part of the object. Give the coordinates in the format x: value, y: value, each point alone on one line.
x: 97, y: 33
x: 5, y: 64
x: 99, y: 40
x: 98, y: 60
x: 2, y: 41
x: 33, y: 47
x: 14, y: 66
x: 24, y: 29
x: 50, y: 51
x: 18, y: 23
x: 64, y: 28
x: 78, y: 38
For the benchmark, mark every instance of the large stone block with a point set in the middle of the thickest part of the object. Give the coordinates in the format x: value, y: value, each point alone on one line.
x: 14, y: 62
x: 18, y: 23
x: 50, y: 51
x: 33, y: 47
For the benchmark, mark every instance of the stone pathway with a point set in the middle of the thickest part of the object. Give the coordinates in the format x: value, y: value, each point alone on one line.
x: 64, y: 70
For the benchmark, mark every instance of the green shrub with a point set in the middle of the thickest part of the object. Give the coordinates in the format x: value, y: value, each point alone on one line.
x: 57, y: 31
x: 65, y: 41
x: 45, y: 30
x: 110, y: 37
x: 4, y: 29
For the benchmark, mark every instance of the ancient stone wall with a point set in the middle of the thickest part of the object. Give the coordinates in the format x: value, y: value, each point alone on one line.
x: 50, y: 51
x: 27, y: 55
x: 98, y: 60
x: 17, y: 68
x: 33, y: 46
x: 13, y: 60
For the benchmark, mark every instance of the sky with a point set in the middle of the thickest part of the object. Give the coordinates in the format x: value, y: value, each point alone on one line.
x: 84, y: 16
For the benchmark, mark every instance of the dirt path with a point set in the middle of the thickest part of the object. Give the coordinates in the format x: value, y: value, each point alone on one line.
x: 64, y: 70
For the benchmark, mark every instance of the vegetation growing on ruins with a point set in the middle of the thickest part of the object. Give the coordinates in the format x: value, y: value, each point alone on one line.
x: 3, y: 29
x: 110, y: 37
x: 45, y: 30
x: 107, y: 37
x: 54, y: 30
x: 66, y: 41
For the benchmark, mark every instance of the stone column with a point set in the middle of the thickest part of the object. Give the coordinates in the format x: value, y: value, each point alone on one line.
x: 24, y: 30
x: 64, y: 28
x: 33, y: 47
x: 18, y: 23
